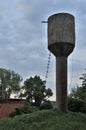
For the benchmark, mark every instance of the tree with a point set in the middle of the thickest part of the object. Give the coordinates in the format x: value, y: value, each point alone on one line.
x: 9, y: 83
x: 77, y: 98
x: 35, y: 91
x: 80, y: 92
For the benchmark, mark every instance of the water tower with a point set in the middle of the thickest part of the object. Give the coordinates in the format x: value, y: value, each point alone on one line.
x: 61, y: 42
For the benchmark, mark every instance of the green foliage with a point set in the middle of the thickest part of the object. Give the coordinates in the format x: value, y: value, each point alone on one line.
x: 46, y: 105
x: 80, y: 92
x: 30, y: 109
x: 75, y: 93
x: 77, y: 97
x: 76, y: 105
x: 36, y: 96
x: 25, y: 110
x: 45, y: 120
x: 35, y: 91
x: 17, y: 111
x: 9, y: 83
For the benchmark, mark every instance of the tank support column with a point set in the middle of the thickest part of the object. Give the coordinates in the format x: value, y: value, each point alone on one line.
x: 61, y: 83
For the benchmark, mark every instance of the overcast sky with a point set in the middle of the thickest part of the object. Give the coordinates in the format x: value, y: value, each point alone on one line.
x: 23, y: 38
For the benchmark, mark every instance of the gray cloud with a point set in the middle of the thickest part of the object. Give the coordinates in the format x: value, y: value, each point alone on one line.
x: 23, y: 38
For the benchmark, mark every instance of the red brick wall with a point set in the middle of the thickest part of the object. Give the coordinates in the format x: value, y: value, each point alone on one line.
x: 7, y: 108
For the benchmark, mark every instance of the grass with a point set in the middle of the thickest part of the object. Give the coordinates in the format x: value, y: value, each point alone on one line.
x: 45, y: 120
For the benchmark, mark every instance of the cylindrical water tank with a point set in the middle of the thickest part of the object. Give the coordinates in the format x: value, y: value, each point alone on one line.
x: 61, y: 34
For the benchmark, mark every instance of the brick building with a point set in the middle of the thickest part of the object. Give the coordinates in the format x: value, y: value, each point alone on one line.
x: 9, y: 106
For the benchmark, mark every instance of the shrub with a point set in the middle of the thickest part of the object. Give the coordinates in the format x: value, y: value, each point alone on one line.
x: 76, y: 105
x: 25, y: 110
x: 46, y: 105
x: 17, y: 111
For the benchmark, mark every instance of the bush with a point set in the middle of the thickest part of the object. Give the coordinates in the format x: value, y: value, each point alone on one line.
x: 46, y: 105
x: 29, y: 109
x: 76, y: 105
x: 25, y: 110
x: 17, y: 111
